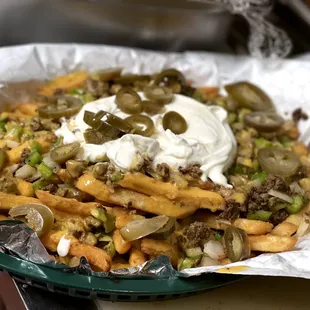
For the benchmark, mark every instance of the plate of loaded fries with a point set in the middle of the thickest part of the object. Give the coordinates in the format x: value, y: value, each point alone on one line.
x: 149, y: 168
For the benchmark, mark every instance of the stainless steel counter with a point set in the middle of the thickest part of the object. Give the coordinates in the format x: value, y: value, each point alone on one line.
x: 255, y: 293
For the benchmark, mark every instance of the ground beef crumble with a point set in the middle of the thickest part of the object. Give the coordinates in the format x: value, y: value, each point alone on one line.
x: 163, y: 170
x: 36, y: 124
x: 258, y: 197
x: 59, y: 92
x: 232, y: 211
x: 193, y: 235
x: 52, y: 188
x: 24, y: 155
x: 278, y: 217
x: 194, y: 171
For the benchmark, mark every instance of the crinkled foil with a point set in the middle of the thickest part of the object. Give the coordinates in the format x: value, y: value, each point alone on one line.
x: 286, y: 81
x: 18, y: 240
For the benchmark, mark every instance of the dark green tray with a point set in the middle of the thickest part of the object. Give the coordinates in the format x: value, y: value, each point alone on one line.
x: 83, y: 286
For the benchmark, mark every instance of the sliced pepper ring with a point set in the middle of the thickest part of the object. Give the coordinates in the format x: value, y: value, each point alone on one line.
x: 159, y: 94
x: 94, y: 121
x: 278, y: 161
x: 60, y: 106
x: 169, y: 74
x: 127, y: 79
x: 108, y: 74
x: 151, y: 107
x: 175, y: 122
x: 250, y: 96
x: 39, y: 217
x: 142, y: 124
x: 128, y: 101
x: 237, y: 244
x: 264, y: 121
x: 65, y: 152
x: 107, y: 123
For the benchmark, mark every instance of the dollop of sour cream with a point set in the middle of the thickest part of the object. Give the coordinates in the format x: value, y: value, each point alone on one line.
x: 208, y: 141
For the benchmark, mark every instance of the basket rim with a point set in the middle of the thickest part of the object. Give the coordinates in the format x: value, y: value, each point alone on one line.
x: 147, y: 286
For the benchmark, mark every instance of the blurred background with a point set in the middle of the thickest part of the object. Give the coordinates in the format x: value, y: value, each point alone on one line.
x: 174, y: 25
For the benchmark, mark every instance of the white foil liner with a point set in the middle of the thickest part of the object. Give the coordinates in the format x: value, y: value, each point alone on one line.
x: 286, y: 81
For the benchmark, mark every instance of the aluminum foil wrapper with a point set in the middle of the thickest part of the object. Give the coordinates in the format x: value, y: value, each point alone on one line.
x: 17, y: 239
x: 286, y: 81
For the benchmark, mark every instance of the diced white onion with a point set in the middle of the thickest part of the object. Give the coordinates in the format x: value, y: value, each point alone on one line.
x: 12, y: 168
x: 280, y: 195
x: 12, y: 144
x: 36, y: 176
x: 208, y: 261
x: 63, y: 246
x: 214, y: 249
x: 48, y: 161
x: 295, y: 188
x: 25, y: 172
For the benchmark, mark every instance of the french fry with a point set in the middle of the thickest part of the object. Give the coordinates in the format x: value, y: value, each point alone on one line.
x: 285, y: 229
x: 9, y: 201
x: 191, y: 196
x: 64, y: 175
x: 158, y: 247
x: 60, y: 215
x: 300, y: 149
x: 161, y: 205
x: 25, y: 188
x: 3, y: 217
x: 253, y: 227
x: 14, y: 116
x: 51, y: 240
x: 148, y: 186
x: 272, y: 243
x: 68, y: 205
x: 14, y: 155
x: 124, y: 197
x: 69, y: 81
x: 119, y: 210
x: 95, y: 256
x: 297, y: 218
x: 136, y: 258
x: 211, y: 220
x: 121, y: 246
x: 294, y: 219
x: 28, y: 108
x: 3, y: 143
x: 201, y: 199
x: 225, y: 261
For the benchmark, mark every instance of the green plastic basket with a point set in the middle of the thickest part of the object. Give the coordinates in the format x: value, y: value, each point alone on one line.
x: 142, y: 289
